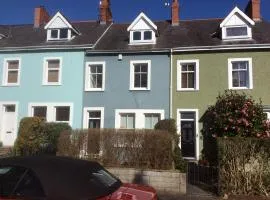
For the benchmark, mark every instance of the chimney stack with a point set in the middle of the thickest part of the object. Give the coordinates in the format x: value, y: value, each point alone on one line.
x: 253, y: 10
x: 41, y: 16
x: 105, y: 13
x: 175, y: 13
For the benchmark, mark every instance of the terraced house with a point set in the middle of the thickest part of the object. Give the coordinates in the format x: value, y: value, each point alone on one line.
x: 211, y: 56
x: 100, y: 74
x: 42, y: 67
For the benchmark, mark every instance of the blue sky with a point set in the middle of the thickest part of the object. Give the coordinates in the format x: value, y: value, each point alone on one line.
x: 21, y: 11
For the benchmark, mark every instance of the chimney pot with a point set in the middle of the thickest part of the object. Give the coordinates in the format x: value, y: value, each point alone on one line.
x: 41, y: 16
x: 175, y: 13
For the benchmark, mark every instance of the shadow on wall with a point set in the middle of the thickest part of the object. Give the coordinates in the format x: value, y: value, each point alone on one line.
x: 139, y: 178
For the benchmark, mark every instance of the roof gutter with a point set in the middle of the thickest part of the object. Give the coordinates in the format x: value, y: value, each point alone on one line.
x: 221, y: 47
x: 56, y: 47
x: 125, y: 51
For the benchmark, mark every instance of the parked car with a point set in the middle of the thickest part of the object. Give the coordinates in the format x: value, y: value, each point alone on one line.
x: 62, y: 178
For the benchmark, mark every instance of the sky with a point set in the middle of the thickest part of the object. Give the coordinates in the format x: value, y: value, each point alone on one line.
x: 22, y: 11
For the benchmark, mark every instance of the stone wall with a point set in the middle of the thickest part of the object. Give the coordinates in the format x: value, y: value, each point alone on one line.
x: 162, y: 181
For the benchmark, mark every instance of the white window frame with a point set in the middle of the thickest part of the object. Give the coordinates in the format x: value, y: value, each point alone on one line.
x: 51, y: 111
x: 179, y: 74
x: 49, y: 32
x: 5, y: 72
x: 139, y: 116
x: 142, y: 40
x: 88, y: 73
x: 250, y: 74
x: 46, y: 69
x: 197, y: 134
x: 240, y: 37
x: 86, y: 118
x: 131, y: 84
x: 267, y: 112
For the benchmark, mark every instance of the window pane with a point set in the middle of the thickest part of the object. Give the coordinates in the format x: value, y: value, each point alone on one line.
x: 137, y: 80
x: 63, y: 33
x: 10, y: 108
x: 94, y: 114
x: 137, y: 35
x: 53, y: 63
x: 151, y: 120
x: 191, y: 80
x: 99, y: 81
x: 187, y: 115
x: 40, y: 111
x: 243, y: 78
x: 144, y: 80
x: 53, y: 76
x: 144, y: 67
x: 236, y: 31
x: 148, y: 35
x: 184, y: 67
x: 13, y: 64
x: 184, y: 80
x: 94, y: 123
x: 12, y: 77
x: 62, y: 113
x: 127, y: 121
x: 191, y: 67
x: 54, y: 34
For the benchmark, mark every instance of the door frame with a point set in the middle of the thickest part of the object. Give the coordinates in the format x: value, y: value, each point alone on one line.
x: 2, y: 111
x: 197, y: 138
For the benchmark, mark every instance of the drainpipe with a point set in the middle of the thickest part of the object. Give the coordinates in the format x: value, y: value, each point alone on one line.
x: 171, y: 80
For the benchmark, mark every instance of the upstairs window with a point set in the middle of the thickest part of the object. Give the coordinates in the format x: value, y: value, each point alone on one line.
x: 11, y: 72
x: 59, y: 34
x: 142, y: 36
x: 52, y: 71
x: 140, y: 73
x: 240, y: 73
x: 95, y: 76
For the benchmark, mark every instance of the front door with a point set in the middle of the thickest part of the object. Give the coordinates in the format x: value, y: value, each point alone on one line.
x: 188, y: 139
x: 9, y: 124
x: 188, y: 134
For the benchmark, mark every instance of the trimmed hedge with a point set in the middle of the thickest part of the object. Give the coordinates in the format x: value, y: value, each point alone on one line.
x: 146, y: 149
x: 170, y: 126
x: 244, y: 165
x: 35, y: 136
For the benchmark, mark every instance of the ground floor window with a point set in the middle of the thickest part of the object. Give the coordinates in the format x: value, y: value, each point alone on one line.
x: 93, y: 117
x: 137, y: 118
x: 52, y: 112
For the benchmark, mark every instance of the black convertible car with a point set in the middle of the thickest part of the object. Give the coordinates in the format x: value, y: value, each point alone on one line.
x: 62, y: 178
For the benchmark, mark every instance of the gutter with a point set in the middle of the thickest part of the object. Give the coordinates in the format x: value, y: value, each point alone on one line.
x: 171, y: 82
x: 125, y: 51
x: 222, y: 47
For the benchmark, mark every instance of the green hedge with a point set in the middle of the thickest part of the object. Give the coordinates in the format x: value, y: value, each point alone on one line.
x: 244, y: 166
x: 35, y: 136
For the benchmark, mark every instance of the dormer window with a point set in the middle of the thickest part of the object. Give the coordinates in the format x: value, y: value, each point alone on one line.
x: 142, y: 31
x: 59, y: 34
x: 237, y: 26
x: 58, y: 28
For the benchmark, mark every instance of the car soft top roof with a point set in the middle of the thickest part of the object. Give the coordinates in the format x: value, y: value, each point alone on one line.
x: 63, y: 177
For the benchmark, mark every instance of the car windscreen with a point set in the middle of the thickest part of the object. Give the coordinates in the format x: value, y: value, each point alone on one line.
x: 104, y: 182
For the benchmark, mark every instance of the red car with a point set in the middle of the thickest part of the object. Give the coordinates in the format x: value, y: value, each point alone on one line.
x: 61, y: 178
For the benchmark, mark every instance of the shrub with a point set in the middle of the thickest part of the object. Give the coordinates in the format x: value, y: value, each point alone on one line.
x: 170, y: 126
x: 234, y: 114
x: 52, y: 132
x: 244, y: 165
x: 35, y: 136
x: 30, y: 136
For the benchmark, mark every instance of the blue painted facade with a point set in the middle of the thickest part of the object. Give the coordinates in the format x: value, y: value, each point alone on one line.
x: 32, y: 90
x: 117, y: 93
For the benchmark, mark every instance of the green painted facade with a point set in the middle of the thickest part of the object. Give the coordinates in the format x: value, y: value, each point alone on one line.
x: 213, y: 79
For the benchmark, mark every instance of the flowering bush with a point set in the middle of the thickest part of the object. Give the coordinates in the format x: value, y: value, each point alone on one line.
x: 236, y: 114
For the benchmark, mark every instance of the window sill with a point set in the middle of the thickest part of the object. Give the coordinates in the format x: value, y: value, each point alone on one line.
x: 52, y: 84
x: 139, y: 89
x: 10, y: 85
x: 240, y: 88
x: 94, y: 90
x: 187, y: 90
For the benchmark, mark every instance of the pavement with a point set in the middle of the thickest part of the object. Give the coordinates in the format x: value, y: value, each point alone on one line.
x: 193, y: 193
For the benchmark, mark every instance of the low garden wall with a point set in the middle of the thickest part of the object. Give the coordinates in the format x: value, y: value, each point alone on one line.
x: 161, y: 180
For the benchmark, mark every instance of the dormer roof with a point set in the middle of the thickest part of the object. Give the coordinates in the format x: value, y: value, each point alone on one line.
x: 59, y: 21
x: 236, y: 16
x: 142, y: 21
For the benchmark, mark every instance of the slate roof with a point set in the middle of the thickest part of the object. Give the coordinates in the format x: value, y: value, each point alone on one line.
x: 28, y: 36
x: 189, y: 33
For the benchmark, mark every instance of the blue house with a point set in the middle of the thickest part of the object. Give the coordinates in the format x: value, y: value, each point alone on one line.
x: 127, y: 77
x: 42, y: 67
